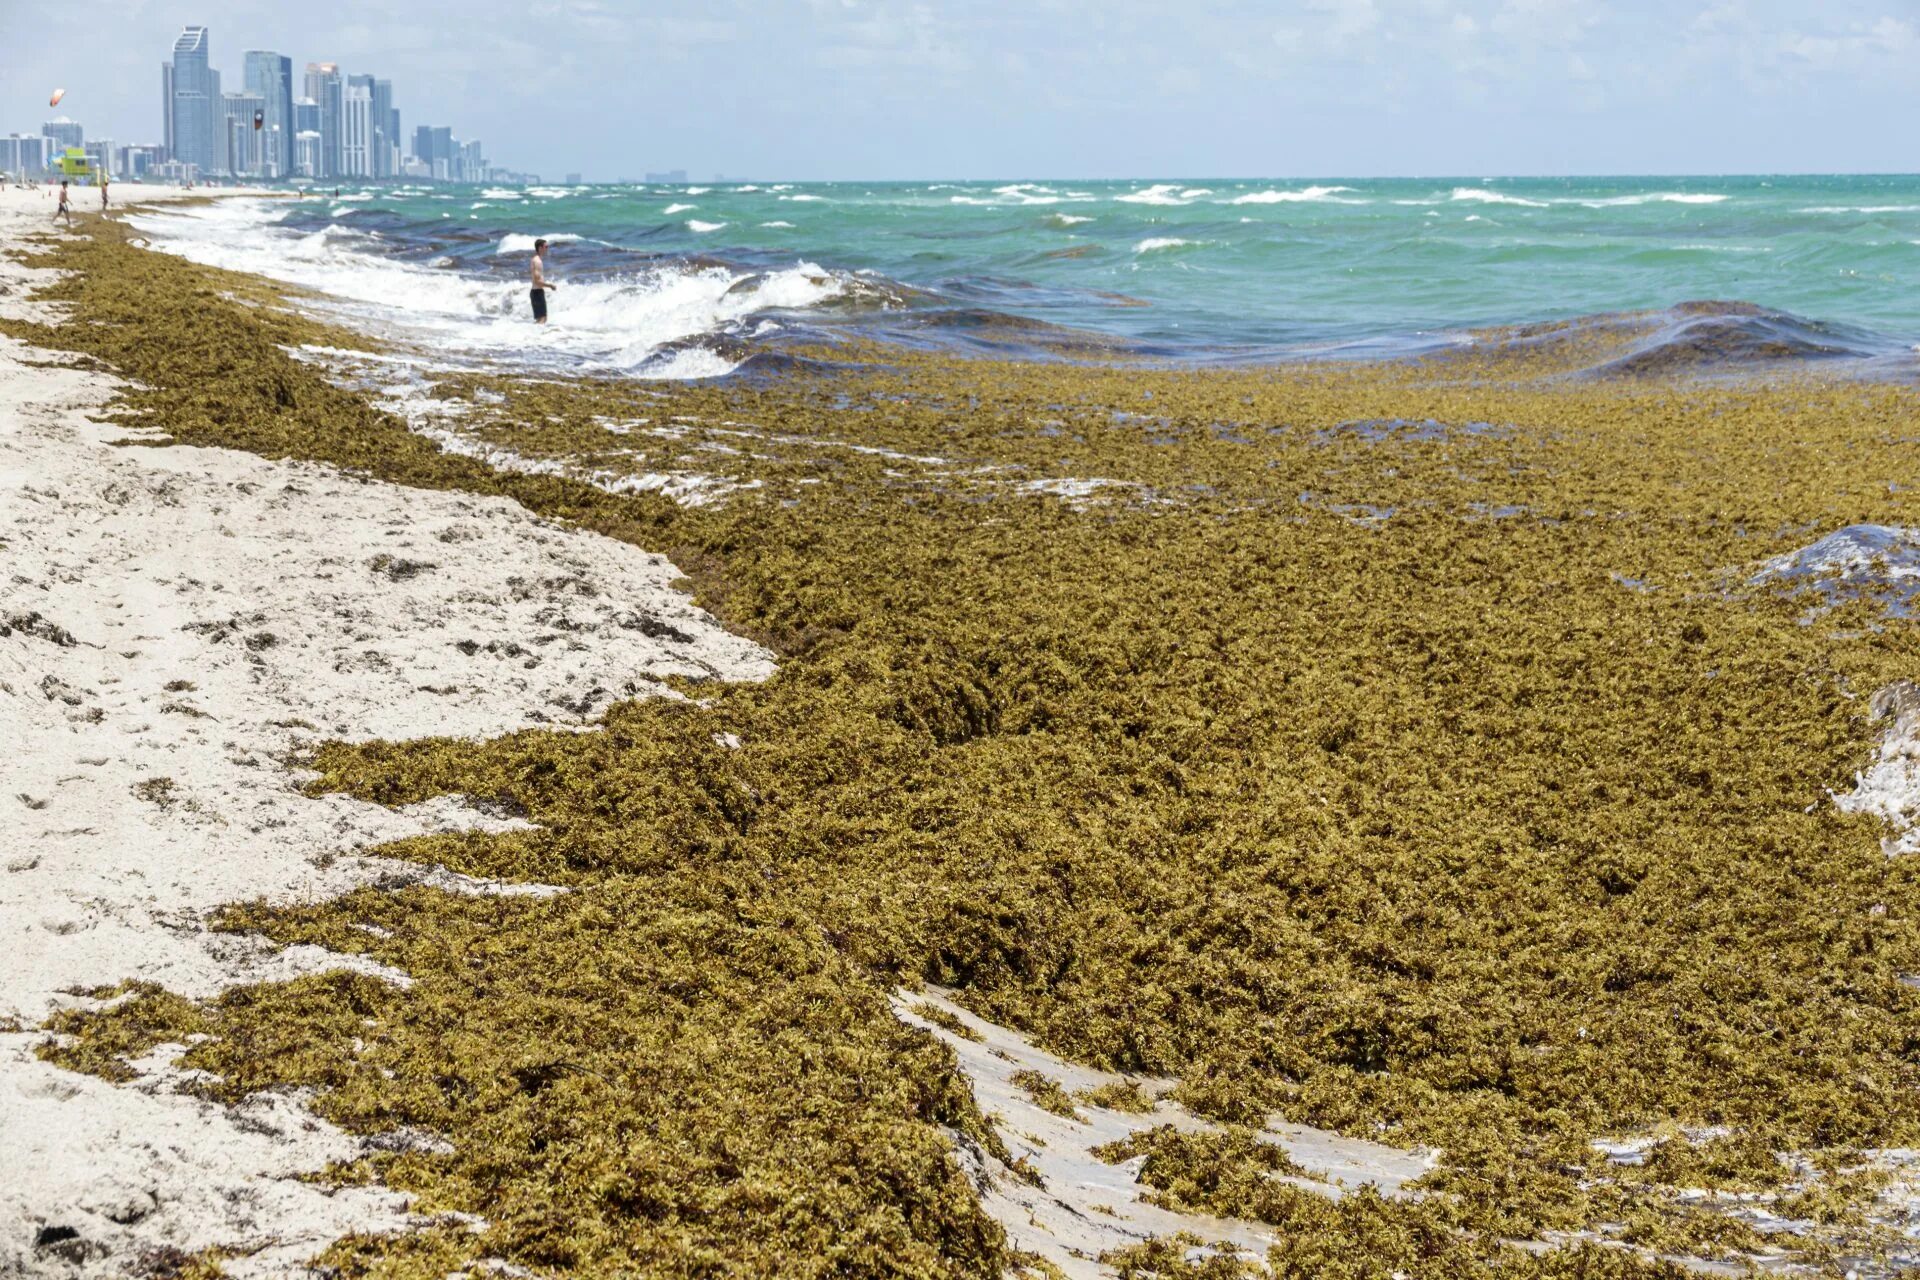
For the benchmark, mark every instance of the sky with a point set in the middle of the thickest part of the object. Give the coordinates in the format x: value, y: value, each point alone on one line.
x: 885, y: 89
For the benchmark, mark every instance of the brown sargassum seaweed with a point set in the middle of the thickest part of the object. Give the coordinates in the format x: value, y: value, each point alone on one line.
x: 1437, y: 782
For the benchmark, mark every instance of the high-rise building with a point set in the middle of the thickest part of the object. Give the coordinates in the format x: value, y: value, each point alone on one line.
x: 325, y: 87
x: 306, y: 153
x: 195, y: 93
x: 63, y: 133
x: 166, y: 107
x: 138, y: 161
x: 396, y: 144
x: 243, y: 148
x: 470, y: 163
x: 306, y: 116
x: 101, y: 152
x: 270, y: 76
x: 22, y: 153
x: 386, y: 137
x: 434, y: 147
x: 356, y: 128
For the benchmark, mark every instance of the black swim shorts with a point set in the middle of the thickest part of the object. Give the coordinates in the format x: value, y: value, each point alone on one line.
x: 539, y: 303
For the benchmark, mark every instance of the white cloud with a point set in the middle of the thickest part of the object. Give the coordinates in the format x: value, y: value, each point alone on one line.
x: 1346, y: 19
x: 1548, y: 23
x: 1888, y: 37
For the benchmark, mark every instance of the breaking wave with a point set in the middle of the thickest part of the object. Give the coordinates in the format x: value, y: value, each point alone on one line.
x: 1307, y: 195
x: 1480, y: 195
x: 644, y: 322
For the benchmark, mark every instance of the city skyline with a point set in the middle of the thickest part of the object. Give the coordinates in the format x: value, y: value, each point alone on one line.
x: 863, y: 89
x: 345, y: 127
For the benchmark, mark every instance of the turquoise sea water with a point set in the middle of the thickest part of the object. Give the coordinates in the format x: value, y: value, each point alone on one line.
x: 1186, y: 268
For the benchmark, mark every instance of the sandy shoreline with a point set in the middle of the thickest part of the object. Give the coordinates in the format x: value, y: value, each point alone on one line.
x: 939, y: 787
x: 174, y: 624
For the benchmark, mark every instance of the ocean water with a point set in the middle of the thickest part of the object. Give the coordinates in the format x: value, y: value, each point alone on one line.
x: 691, y: 280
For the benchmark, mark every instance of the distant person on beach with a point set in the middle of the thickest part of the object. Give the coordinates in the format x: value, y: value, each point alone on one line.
x: 65, y: 210
x: 104, y: 180
x: 540, y: 282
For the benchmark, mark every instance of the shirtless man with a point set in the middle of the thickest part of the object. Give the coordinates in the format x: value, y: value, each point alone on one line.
x: 103, y: 192
x: 540, y: 282
x: 65, y: 210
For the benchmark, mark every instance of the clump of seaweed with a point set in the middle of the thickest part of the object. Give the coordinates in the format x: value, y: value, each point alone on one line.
x: 1231, y: 1172
x: 1046, y: 1093
x: 1424, y: 829
x: 1118, y: 1095
x: 951, y: 1023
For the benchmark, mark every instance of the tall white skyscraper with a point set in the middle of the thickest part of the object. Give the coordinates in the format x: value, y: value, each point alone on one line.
x: 324, y: 86
x: 356, y: 128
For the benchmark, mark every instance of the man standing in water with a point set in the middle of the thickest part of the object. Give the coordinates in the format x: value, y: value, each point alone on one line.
x: 540, y: 282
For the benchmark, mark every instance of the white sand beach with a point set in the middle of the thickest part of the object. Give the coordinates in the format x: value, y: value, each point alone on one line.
x: 174, y: 623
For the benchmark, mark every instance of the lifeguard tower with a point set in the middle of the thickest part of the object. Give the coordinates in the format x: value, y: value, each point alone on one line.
x: 74, y: 165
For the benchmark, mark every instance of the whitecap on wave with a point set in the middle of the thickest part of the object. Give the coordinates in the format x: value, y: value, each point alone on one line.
x: 1480, y: 195
x: 647, y: 322
x: 1306, y: 195
x: 1158, y: 193
x: 1655, y: 197
x: 514, y: 242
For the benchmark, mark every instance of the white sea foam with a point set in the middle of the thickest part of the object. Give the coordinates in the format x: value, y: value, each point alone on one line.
x: 1158, y: 193
x: 743, y: 190
x: 620, y: 323
x: 499, y: 193
x: 698, y: 191
x: 514, y: 242
x: 695, y: 225
x: 1154, y: 244
x: 804, y: 198
x: 550, y: 193
x: 1655, y: 197
x: 678, y: 208
x: 1067, y: 219
x: 1027, y: 193
x: 1483, y: 196
x: 1194, y: 193
x: 967, y: 200
x: 1304, y: 196
x: 1865, y: 208
x: 776, y: 224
